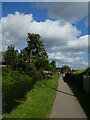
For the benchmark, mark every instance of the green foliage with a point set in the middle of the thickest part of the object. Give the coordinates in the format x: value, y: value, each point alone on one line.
x: 31, y: 71
x: 24, y: 54
x: 53, y: 64
x: 31, y: 58
x: 25, y: 68
x: 10, y: 56
x: 65, y: 68
x: 36, y: 46
x: 39, y: 101
x: 79, y: 71
x: 42, y: 63
x: 14, y: 85
x: 88, y: 71
x: 76, y: 78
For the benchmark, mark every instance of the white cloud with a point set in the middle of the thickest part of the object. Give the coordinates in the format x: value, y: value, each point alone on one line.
x: 74, y: 61
x: 79, y: 44
x: 62, y: 41
x: 68, y: 11
x: 16, y: 26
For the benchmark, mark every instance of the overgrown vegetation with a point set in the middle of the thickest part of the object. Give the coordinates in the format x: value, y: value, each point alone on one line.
x: 31, y: 58
x: 38, y: 102
x: 15, y: 85
x: 76, y: 77
x: 65, y: 68
x: 23, y: 69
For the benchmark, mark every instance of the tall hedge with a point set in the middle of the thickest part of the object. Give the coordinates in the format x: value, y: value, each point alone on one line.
x: 76, y: 78
x: 14, y: 85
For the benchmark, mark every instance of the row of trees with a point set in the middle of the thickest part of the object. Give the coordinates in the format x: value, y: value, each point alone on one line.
x: 31, y: 58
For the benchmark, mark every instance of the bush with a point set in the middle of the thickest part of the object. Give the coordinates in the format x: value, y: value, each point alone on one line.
x: 88, y: 71
x: 14, y: 85
x: 76, y: 78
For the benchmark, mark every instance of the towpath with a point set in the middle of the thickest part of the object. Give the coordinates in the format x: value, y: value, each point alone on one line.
x: 66, y: 105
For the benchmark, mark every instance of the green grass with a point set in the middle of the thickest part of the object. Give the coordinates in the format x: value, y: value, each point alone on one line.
x: 83, y: 98
x: 38, y: 102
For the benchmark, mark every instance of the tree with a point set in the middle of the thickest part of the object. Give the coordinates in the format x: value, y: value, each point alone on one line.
x: 42, y: 63
x: 23, y: 54
x: 10, y: 56
x: 65, y: 68
x: 35, y: 46
x: 53, y: 64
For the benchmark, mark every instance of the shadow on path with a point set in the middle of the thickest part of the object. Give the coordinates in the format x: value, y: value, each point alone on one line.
x: 62, y: 91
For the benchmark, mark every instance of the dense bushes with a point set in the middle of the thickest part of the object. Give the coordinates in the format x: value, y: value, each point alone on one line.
x: 76, y: 78
x: 24, y: 68
x: 88, y: 71
x: 14, y: 85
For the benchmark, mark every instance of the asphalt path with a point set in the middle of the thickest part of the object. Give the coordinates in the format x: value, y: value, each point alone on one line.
x: 66, y: 104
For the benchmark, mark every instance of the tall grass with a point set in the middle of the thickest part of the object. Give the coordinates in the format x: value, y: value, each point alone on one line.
x: 39, y: 101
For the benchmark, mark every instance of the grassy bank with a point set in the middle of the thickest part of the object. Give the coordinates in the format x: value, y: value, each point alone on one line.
x: 38, y: 102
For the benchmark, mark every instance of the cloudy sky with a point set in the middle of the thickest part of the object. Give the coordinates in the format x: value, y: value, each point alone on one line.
x: 62, y: 26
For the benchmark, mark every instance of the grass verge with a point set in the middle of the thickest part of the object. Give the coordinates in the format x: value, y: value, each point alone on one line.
x: 38, y: 102
x: 83, y: 98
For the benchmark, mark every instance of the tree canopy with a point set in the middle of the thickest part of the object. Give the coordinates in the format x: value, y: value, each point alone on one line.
x: 65, y: 68
x: 32, y: 57
x: 36, y: 45
x: 10, y: 55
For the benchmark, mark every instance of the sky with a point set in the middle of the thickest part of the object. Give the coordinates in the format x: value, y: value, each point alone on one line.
x: 63, y: 26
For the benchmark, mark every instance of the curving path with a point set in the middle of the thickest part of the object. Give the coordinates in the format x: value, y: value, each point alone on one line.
x: 66, y: 105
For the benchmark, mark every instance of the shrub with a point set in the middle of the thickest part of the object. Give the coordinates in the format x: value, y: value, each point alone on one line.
x: 76, y: 78
x: 14, y: 85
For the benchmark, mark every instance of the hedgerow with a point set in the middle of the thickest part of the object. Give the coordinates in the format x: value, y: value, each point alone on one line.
x: 76, y: 77
x: 14, y: 85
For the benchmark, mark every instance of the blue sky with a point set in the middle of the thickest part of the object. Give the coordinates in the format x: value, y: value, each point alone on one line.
x: 39, y: 14
x: 82, y: 26
x: 62, y: 26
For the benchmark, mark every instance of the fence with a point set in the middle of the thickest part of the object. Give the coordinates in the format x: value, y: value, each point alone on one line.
x: 86, y: 83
